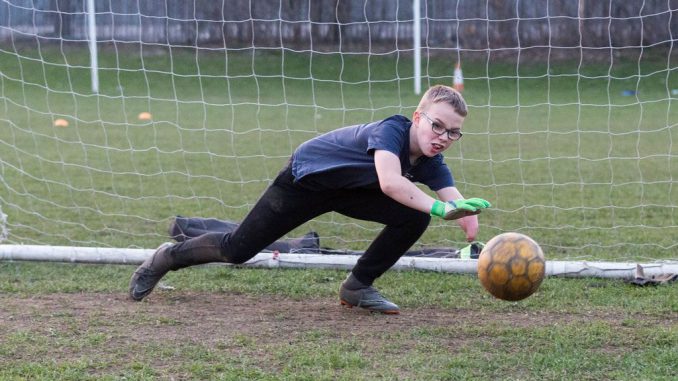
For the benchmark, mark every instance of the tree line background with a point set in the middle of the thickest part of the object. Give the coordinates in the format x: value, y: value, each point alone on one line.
x: 350, y: 25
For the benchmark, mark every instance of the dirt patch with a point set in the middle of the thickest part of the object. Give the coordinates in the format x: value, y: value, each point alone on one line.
x: 198, y: 316
x: 170, y: 332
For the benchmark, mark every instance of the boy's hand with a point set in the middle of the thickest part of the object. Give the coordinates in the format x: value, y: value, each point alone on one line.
x: 453, y: 210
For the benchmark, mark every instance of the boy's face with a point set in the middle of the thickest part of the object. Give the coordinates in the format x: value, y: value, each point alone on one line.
x: 435, y: 129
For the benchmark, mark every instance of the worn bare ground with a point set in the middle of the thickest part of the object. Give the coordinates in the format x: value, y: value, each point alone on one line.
x: 109, y: 327
x: 114, y: 333
x: 198, y: 316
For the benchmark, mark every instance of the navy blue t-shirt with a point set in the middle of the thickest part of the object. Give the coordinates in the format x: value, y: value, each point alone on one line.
x: 344, y: 158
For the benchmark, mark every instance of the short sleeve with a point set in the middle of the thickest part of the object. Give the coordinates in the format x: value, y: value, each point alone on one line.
x: 392, y: 135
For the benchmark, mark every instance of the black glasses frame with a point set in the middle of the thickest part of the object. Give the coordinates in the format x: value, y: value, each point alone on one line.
x: 453, y: 135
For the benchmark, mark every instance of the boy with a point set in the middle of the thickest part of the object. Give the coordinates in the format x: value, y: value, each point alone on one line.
x: 365, y: 172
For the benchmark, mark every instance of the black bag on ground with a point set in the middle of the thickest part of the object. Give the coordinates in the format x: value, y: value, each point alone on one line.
x: 183, y: 228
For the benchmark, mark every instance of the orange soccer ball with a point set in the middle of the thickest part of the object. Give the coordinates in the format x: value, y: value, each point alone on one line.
x: 511, y: 266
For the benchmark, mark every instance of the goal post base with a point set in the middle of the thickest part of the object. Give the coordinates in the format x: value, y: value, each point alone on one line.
x: 122, y: 256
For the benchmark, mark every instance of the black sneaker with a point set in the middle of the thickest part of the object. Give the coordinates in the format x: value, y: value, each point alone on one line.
x: 147, y: 276
x: 368, y: 298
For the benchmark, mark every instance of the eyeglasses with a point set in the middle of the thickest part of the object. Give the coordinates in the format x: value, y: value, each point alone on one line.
x: 453, y: 135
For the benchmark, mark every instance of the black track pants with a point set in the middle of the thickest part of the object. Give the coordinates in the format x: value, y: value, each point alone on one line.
x: 285, y: 205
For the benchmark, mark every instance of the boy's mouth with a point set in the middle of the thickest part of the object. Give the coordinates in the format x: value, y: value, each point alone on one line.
x: 437, y: 147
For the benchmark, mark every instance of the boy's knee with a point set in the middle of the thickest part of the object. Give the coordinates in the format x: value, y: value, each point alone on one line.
x: 424, y: 219
x: 235, y: 253
x: 419, y: 219
x: 237, y: 259
x: 232, y: 256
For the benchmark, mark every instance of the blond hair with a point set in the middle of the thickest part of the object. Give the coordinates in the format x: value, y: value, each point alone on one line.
x: 446, y: 94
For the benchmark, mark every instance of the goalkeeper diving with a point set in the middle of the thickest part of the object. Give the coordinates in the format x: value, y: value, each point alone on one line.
x: 367, y: 172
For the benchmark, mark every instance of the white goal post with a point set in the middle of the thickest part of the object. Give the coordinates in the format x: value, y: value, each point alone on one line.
x: 117, y: 116
x: 69, y: 254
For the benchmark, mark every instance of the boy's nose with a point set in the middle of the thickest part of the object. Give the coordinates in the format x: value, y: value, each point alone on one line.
x: 444, y: 137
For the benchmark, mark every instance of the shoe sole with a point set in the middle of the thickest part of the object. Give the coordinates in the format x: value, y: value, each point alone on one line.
x: 132, y: 282
x: 385, y: 312
x: 138, y: 297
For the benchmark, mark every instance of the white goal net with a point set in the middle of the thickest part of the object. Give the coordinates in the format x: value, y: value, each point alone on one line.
x: 192, y: 107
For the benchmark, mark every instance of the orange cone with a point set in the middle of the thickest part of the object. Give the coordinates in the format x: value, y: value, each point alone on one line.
x: 458, y: 83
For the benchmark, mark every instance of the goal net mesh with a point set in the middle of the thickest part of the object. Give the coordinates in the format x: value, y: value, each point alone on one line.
x: 573, y: 111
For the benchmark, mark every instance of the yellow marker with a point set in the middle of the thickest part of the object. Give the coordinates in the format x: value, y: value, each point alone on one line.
x: 60, y: 123
x: 145, y: 116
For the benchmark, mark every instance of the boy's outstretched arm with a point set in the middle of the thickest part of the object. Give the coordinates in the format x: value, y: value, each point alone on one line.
x: 396, y: 186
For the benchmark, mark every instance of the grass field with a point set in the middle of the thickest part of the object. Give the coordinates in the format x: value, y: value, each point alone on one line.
x: 557, y: 149
x: 68, y: 321
x: 560, y: 153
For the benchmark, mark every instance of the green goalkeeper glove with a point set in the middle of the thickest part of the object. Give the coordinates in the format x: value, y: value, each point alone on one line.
x: 453, y: 210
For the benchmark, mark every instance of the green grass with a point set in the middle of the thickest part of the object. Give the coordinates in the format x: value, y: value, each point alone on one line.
x: 411, y: 288
x: 586, y: 329
x: 560, y: 153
